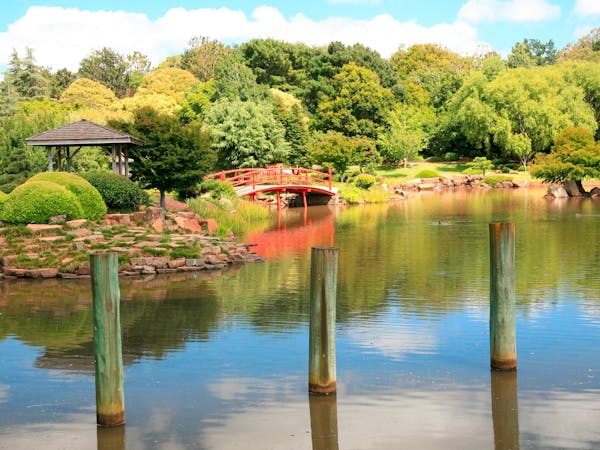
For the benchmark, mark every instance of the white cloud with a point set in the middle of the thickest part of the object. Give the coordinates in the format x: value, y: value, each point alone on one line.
x: 354, y: 2
x: 61, y: 37
x: 508, y: 11
x: 587, y: 7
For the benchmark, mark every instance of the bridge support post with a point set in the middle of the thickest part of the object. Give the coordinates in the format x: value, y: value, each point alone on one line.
x: 304, y: 199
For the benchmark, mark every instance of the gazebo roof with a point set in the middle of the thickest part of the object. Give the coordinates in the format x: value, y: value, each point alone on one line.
x: 82, y: 133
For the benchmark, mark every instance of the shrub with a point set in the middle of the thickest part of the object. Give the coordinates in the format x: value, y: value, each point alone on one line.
x: 427, y: 173
x: 217, y: 189
x: 37, y: 201
x: 364, y: 180
x: 3, y: 198
x: 450, y: 156
x: 91, y: 202
x: 493, y: 180
x: 119, y: 192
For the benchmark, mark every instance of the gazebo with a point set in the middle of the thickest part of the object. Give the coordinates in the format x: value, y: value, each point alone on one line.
x: 67, y: 140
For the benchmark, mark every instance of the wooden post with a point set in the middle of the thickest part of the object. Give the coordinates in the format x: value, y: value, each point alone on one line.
x: 110, y: 404
x: 51, y: 151
x: 127, y: 161
x: 323, y: 287
x: 503, y: 347
x: 505, y: 409
x: 68, y: 158
x: 323, y: 421
x: 113, y: 157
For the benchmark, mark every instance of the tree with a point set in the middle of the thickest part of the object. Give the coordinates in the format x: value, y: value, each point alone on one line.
x: 203, y: 57
x: 139, y: 66
x: 60, y: 81
x: 86, y: 93
x: 197, y: 101
x: 586, y: 49
x: 406, y: 134
x: 289, y: 112
x: 108, y: 67
x: 246, y: 134
x: 480, y: 164
x: 171, y: 82
x: 358, y: 105
x: 235, y: 80
x: 574, y: 156
x: 532, y: 52
x: 173, y: 157
x: 24, y: 79
x: 339, y: 151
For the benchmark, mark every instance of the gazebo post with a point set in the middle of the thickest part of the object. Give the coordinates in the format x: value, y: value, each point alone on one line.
x: 114, y: 158
x: 68, y: 158
x: 126, y: 161
x: 59, y: 159
x: 50, y: 159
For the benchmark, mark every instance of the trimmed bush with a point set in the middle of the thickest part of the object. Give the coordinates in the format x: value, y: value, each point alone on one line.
x: 37, y: 201
x: 92, y: 205
x: 427, y: 173
x: 364, y: 180
x: 119, y: 192
x: 3, y: 198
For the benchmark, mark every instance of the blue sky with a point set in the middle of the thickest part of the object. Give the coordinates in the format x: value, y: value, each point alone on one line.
x: 62, y: 32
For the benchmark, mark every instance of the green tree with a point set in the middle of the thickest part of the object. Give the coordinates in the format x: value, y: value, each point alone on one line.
x: 338, y: 151
x: 289, y: 112
x: 139, y: 66
x: 246, y: 134
x: 173, y: 157
x: 197, y: 101
x: 60, y: 81
x: 532, y: 52
x: 235, y: 80
x: 24, y: 80
x: 358, y: 105
x: 203, y: 56
x: 108, y: 67
x: 574, y: 156
x: 407, y: 133
x: 480, y: 164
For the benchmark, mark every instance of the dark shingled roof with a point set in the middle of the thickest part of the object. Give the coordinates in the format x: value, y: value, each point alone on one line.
x: 82, y: 133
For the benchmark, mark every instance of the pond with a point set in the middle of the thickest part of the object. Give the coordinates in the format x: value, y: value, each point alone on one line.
x: 220, y: 360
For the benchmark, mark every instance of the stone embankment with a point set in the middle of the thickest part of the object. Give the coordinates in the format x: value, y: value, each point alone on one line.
x: 147, y: 242
x: 452, y: 183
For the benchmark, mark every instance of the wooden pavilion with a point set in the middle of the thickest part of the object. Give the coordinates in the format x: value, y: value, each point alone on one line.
x: 64, y: 142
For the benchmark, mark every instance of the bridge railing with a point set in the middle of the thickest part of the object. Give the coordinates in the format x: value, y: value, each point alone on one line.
x: 273, y: 176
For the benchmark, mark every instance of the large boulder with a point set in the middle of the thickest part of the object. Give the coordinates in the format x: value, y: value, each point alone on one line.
x: 557, y: 191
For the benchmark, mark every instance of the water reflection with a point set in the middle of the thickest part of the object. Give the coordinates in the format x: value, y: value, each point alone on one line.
x: 505, y: 411
x: 111, y: 438
x: 323, y: 421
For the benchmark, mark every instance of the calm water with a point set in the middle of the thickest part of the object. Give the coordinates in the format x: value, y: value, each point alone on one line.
x: 219, y: 361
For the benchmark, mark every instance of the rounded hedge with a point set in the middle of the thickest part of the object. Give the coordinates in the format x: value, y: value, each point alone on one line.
x: 427, y: 173
x: 38, y: 201
x: 3, y: 198
x: 365, y: 180
x: 119, y: 192
x: 91, y: 201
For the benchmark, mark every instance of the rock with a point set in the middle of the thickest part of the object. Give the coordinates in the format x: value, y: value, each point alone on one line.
x: 595, y: 192
x: 138, y: 217
x: 148, y: 270
x: 212, y: 259
x: 77, y: 223
x: 120, y: 249
x: 154, y: 261
x: 212, y: 250
x: 573, y: 189
x: 41, y: 228
x: 117, y: 219
x: 67, y: 275
x: 42, y: 273
x: 79, y: 246
x: 166, y: 270
x: 83, y: 270
x: 57, y: 219
x: 81, y: 232
x: 211, y: 225
x: 175, y: 263
x: 194, y: 262
x: 557, y: 191
x: 426, y: 186
x: 155, y: 218
x: 14, y: 272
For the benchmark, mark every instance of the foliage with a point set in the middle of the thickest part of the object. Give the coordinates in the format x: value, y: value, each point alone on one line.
x: 407, y: 133
x: 217, y: 189
x: 25, y: 79
x: 197, y: 101
x: 118, y: 192
x: 235, y: 81
x: 3, y: 198
x: 364, y: 180
x: 91, y: 202
x: 339, y: 151
x: 574, y: 156
x: 587, y: 48
x: 532, y: 52
x: 170, y: 81
x: 480, y: 165
x: 38, y: 201
x: 357, y: 106
x: 355, y: 195
x: 87, y: 93
x: 246, y: 134
x: 289, y: 112
x: 493, y: 180
x: 203, y: 56
x: 107, y: 67
x: 173, y: 157
x: 427, y: 173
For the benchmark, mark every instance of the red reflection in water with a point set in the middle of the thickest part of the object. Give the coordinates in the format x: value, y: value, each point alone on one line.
x: 305, y: 230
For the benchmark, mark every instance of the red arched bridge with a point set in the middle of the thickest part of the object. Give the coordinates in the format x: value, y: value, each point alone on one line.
x: 278, y: 179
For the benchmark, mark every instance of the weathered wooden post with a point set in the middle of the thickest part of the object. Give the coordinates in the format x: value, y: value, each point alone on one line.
x: 323, y: 421
x: 323, y: 287
x: 110, y: 404
x: 503, y: 346
x: 505, y: 409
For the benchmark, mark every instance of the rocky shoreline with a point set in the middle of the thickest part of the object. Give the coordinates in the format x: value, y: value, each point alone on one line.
x: 147, y: 242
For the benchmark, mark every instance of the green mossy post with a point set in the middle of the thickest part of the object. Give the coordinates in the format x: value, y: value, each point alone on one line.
x: 110, y: 404
x: 323, y: 288
x: 503, y: 345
